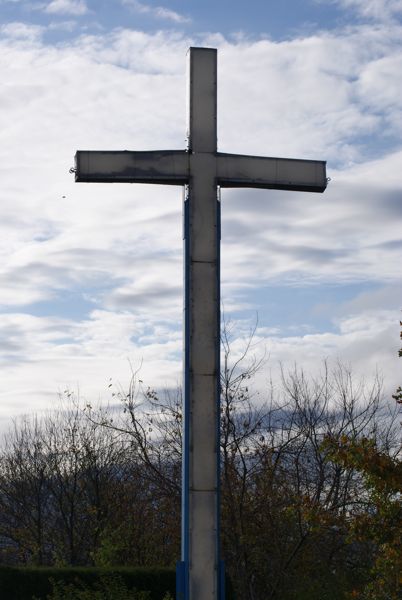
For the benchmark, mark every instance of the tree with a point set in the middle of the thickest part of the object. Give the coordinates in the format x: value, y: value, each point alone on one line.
x: 290, y: 504
x: 24, y: 493
x: 285, y: 506
x: 150, y: 428
x: 380, y: 524
x: 54, y: 487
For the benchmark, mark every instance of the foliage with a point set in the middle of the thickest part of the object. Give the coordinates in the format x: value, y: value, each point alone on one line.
x: 23, y: 583
x: 110, y: 587
x: 382, y: 523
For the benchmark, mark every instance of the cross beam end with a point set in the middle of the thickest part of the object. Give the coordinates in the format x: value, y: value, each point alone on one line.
x: 236, y: 170
x: 167, y: 167
x: 290, y: 186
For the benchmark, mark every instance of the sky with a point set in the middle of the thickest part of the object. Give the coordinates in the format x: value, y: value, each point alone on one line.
x: 91, y: 274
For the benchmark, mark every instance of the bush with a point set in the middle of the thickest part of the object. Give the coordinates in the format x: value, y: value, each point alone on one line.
x: 46, y: 583
x: 109, y: 587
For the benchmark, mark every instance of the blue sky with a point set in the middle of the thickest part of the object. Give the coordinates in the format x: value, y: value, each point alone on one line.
x: 91, y: 275
x: 254, y: 18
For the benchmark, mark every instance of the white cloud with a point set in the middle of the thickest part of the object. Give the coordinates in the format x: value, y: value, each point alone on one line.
x: 319, y: 97
x: 366, y: 342
x: 67, y: 7
x: 379, y: 10
x: 22, y: 31
x: 62, y: 26
x: 41, y: 355
x: 170, y: 15
x: 159, y: 12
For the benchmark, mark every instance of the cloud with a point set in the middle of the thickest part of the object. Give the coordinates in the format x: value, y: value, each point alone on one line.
x: 67, y: 7
x: 68, y: 26
x: 19, y: 31
x: 159, y: 12
x: 361, y: 341
x: 379, y: 10
x: 43, y: 355
x: 118, y: 248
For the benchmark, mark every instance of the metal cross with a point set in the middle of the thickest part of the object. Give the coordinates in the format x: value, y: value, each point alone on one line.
x: 202, y: 170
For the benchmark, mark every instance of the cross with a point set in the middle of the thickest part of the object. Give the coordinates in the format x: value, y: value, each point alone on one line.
x: 202, y: 170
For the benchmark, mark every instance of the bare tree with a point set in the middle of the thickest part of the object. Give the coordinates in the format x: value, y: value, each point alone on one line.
x: 24, y: 493
x: 54, y: 486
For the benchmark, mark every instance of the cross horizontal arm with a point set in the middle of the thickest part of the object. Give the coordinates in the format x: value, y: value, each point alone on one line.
x: 236, y: 170
x: 164, y: 166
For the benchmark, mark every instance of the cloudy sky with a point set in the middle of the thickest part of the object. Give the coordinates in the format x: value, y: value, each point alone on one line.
x: 91, y: 274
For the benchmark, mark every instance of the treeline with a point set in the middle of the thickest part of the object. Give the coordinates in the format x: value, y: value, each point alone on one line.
x: 311, y: 485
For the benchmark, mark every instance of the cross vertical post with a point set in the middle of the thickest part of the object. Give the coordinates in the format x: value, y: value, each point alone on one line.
x: 200, y: 511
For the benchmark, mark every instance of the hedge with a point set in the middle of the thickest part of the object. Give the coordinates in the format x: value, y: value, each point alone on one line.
x: 21, y: 583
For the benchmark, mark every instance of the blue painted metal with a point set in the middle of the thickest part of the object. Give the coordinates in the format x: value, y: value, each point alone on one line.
x: 222, y: 580
x: 180, y: 580
x: 221, y: 594
x: 185, y: 512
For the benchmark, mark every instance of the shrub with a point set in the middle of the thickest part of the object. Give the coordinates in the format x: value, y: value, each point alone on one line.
x: 86, y: 583
x: 109, y: 587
